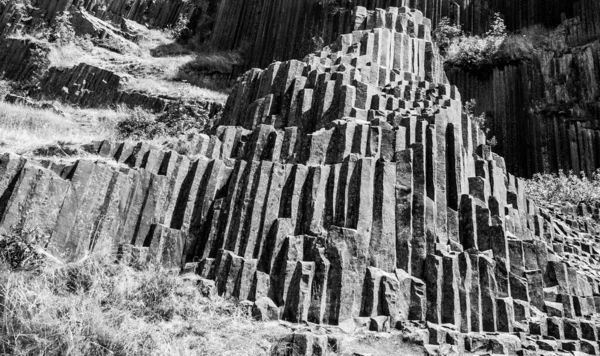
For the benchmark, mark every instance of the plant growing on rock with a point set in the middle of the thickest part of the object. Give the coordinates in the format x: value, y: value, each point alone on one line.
x: 18, y: 250
x: 139, y: 125
x: 177, y: 119
x: 445, y: 34
x: 62, y: 30
x: 471, y: 52
x: 563, y: 187
x: 480, y: 121
x: 180, y: 31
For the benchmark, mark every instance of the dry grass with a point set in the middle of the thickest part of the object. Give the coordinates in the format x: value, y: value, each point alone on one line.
x: 23, y: 129
x: 96, y: 307
x: 163, y: 68
x: 178, y: 90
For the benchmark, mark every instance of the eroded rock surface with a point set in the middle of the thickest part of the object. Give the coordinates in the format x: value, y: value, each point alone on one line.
x: 349, y: 189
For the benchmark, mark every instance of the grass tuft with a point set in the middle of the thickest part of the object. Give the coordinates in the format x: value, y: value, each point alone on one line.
x: 23, y: 129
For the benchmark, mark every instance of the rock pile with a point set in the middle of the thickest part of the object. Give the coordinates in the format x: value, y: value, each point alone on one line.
x: 348, y: 187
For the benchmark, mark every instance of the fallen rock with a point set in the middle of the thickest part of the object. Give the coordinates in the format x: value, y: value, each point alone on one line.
x: 264, y: 309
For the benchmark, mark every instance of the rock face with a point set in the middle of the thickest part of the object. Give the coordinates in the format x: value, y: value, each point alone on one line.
x: 23, y: 59
x: 346, y: 186
x: 90, y: 86
x: 14, y: 14
x: 544, y: 111
x: 280, y: 30
x: 26, y: 60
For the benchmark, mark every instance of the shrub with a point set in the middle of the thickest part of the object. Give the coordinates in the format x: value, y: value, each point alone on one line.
x: 61, y: 30
x: 497, y: 27
x: 481, y: 120
x: 445, y: 34
x: 4, y: 89
x: 563, y: 187
x: 178, y: 119
x: 473, y: 52
x: 18, y: 251
x: 181, y: 31
x: 139, y: 125
x: 182, y: 118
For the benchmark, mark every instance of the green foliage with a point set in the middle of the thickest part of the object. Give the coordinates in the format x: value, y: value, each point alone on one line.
x: 18, y: 250
x: 139, y: 125
x: 182, y: 118
x: 181, y: 31
x: 481, y: 120
x: 4, y: 89
x: 175, y: 121
x: 497, y: 27
x: 61, y: 30
x: 445, y: 34
x: 472, y: 52
x: 563, y: 187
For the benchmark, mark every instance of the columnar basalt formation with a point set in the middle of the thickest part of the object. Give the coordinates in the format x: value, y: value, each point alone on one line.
x: 90, y: 86
x: 283, y: 30
x: 544, y: 112
x: 15, y: 14
x: 349, y: 185
x: 23, y: 59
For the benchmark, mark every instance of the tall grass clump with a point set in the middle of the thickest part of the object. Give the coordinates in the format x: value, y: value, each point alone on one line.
x: 563, y: 187
x: 99, y: 307
x: 24, y: 128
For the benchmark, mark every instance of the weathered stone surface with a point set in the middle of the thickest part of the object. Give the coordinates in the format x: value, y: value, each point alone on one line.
x: 347, y: 189
x: 264, y: 309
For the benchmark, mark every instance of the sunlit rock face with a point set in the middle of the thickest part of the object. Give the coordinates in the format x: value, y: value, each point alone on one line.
x: 347, y: 185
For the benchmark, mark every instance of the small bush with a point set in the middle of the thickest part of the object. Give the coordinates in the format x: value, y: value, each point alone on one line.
x: 181, y: 31
x: 61, y: 30
x: 472, y: 52
x: 18, y: 251
x: 481, y: 120
x: 183, y: 118
x: 445, y: 34
x: 175, y: 121
x: 4, y: 89
x: 139, y: 125
x: 563, y: 187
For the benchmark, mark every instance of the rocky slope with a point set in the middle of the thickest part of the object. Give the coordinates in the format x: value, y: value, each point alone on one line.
x: 106, y: 81
x: 349, y: 189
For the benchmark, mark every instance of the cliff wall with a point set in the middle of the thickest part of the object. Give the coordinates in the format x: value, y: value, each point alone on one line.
x: 544, y: 112
x: 16, y: 15
x: 268, y: 30
x: 346, y: 187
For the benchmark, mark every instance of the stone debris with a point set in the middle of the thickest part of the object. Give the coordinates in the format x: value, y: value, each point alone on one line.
x: 348, y: 189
